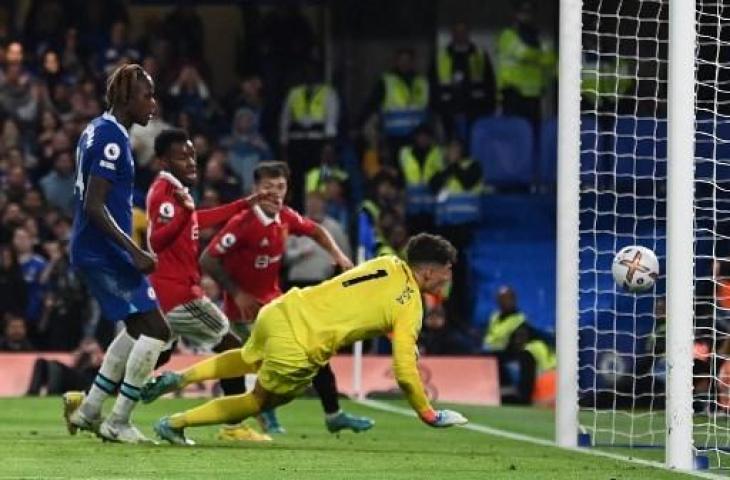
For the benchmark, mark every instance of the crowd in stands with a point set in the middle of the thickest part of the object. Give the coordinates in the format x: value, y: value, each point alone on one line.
x: 409, y: 142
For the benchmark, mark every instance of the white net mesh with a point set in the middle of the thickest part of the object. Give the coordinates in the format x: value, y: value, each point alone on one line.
x: 623, y: 202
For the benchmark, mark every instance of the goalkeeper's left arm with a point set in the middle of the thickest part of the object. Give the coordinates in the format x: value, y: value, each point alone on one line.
x: 406, y: 374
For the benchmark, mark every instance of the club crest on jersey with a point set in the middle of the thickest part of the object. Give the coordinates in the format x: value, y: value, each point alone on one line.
x: 167, y: 211
x: 112, y: 151
x: 226, y: 242
x: 151, y: 293
x: 264, y: 242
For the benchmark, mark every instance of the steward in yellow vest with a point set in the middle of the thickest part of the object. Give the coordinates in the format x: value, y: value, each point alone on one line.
x: 458, y: 188
x: 419, y: 162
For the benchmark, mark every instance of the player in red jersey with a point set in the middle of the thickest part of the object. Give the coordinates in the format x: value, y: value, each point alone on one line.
x: 245, y: 259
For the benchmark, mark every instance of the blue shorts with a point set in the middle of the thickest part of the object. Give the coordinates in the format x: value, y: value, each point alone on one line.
x: 120, y: 289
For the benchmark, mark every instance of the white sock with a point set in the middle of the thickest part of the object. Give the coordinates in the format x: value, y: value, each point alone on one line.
x: 110, y: 374
x: 141, y: 361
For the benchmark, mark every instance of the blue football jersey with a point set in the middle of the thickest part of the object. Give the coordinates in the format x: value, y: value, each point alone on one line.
x: 103, y: 151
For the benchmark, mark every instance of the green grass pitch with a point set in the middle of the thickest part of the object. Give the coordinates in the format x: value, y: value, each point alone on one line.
x: 34, y: 444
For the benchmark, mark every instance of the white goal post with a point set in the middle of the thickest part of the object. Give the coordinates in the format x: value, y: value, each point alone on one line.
x: 676, y: 230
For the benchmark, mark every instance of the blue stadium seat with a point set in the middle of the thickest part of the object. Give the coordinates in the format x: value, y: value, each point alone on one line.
x: 504, y: 147
x: 548, y: 169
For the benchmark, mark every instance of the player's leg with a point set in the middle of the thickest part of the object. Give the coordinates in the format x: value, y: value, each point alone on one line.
x: 151, y: 333
x: 336, y: 419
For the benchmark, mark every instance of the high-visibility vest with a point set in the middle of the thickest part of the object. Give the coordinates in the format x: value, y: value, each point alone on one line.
x: 501, y: 329
x: 317, y: 178
x: 457, y: 206
x: 525, y: 68
x: 419, y: 196
x: 404, y: 106
x: 309, y: 110
x: 604, y: 78
x: 445, y: 66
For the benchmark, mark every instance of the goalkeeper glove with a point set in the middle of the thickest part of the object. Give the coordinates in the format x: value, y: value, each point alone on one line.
x: 444, y: 418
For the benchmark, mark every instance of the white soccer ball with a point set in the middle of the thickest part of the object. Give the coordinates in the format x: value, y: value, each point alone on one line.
x: 635, y: 268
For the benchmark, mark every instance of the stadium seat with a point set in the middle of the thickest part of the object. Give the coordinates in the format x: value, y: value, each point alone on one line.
x: 504, y: 147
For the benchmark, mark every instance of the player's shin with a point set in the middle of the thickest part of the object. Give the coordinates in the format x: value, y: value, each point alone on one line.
x: 228, y: 364
x: 221, y: 410
x: 110, y: 374
x: 139, y: 365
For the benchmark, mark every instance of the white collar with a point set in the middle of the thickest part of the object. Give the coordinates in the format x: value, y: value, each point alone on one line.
x: 171, y: 178
x: 108, y: 116
x: 263, y: 218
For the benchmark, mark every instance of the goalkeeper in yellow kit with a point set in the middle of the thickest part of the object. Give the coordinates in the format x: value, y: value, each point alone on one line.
x: 297, y: 334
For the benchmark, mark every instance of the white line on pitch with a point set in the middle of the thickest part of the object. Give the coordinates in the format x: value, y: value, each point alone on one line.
x: 539, y: 441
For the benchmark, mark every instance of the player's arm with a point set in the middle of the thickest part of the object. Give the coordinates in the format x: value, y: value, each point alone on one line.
x: 405, y: 369
x: 168, y: 218
x: 325, y: 240
x: 95, y: 207
x: 210, y: 217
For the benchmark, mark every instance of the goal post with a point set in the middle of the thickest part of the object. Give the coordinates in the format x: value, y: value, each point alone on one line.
x: 626, y: 160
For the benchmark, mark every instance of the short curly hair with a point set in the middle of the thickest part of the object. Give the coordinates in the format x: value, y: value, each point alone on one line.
x: 427, y: 248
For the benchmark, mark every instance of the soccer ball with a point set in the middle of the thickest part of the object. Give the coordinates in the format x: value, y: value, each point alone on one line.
x: 635, y: 268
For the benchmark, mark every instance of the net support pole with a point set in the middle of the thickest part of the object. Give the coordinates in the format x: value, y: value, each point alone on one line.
x: 566, y: 429
x: 680, y: 232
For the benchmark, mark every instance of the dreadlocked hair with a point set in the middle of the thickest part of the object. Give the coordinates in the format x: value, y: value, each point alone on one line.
x: 120, y: 83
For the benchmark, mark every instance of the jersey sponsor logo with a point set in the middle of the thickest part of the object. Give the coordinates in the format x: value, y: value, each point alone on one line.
x: 151, y: 293
x: 108, y: 165
x: 167, y: 210
x: 405, y: 295
x: 112, y: 151
x: 195, y: 232
x: 226, y: 242
x: 263, y: 261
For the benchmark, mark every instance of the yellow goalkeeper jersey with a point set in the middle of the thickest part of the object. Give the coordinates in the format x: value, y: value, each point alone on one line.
x: 377, y: 297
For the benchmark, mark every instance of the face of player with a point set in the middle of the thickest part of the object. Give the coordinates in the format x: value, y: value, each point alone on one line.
x: 181, y: 162
x: 276, y: 188
x: 142, y: 106
x: 434, y: 278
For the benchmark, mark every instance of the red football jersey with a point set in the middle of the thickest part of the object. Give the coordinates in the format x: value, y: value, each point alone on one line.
x: 172, y: 233
x: 251, y: 246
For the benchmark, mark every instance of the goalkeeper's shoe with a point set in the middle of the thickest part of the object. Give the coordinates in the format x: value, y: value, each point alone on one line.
x: 164, y: 383
x: 344, y: 420
x: 269, y: 423
x: 112, y: 431
x: 446, y: 418
x: 242, y: 433
x: 75, y: 417
x: 176, y: 436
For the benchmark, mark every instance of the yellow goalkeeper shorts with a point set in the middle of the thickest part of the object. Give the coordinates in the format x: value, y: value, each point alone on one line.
x: 285, y: 368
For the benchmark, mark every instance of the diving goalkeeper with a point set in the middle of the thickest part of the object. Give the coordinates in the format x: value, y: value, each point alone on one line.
x: 296, y: 334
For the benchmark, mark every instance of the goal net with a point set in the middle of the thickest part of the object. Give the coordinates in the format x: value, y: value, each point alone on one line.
x: 622, y: 361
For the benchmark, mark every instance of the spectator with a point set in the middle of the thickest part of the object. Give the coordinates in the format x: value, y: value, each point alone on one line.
x: 520, y: 351
x: 190, y: 94
x: 218, y: 178
x: 15, y: 334
x: 51, y: 73
x: 56, y: 378
x: 71, y: 57
x: 58, y: 185
x: 19, y: 95
x: 458, y: 189
x: 246, y: 147
x: 48, y: 125
x: 308, y: 263
x: 119, y: 49
x: 32, y: 266
x: 464, y: 83
x: 419, y: 162
x: 66, y: 307
x: 525, y: 66
x: 13, y: 290
x: 143, y: 138
x: 33, y: 203
x: 309, y: 118
x: 437, y: 338
x: 183, y: 29
x: 384, y: 196
x: 332, y: 182
x: 16, y: 183
x: 13, y: 217
x: 401, y: 98
x: 248, y: 93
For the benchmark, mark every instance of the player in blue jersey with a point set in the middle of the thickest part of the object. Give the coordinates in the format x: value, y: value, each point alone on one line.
x: 112, y: 265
